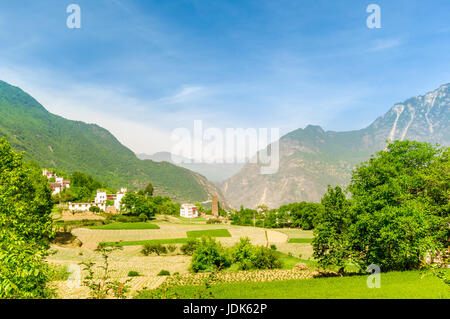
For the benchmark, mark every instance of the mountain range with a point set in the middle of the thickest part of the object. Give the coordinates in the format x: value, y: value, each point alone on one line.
x: 55, y: 142
x: 312, y: 158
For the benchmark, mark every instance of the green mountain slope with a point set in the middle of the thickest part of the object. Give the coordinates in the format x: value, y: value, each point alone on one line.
x: 55, y: 142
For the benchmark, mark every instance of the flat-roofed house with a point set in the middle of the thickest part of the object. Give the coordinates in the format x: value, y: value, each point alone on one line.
x: 188, y: 211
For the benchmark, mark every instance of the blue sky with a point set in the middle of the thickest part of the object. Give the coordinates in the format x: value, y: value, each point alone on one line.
x: 143, y: 68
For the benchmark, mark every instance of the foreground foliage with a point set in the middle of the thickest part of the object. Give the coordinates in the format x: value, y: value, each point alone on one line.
x: 398, y: 213
x: 25, y: 227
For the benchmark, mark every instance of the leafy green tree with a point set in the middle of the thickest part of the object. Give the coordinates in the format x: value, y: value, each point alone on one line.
x: 25, y: 227
x: 401, y: 202
x: 398, y: 214
x: 149, y: 189
x: 243, y: 254
x: 137, y: 204
x: 330, y: 236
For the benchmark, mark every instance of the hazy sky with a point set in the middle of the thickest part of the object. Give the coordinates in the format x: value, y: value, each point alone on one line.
x: 143, y: 68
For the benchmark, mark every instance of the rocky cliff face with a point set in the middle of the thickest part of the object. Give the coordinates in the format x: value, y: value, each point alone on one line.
x: 311, y: 158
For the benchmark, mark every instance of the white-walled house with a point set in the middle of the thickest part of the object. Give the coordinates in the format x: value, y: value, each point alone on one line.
x: 101, y: 197
x: 100, y: 201
x: 60, y: 183
x: 188, y: 211
x: 82, y: 207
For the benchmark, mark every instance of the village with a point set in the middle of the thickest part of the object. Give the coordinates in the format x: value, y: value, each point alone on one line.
x: 111, y: 203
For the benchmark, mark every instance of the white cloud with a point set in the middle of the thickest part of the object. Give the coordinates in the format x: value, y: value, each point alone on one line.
x: 385, y: 44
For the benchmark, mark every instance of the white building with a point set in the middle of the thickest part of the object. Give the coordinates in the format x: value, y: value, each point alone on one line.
x: 188, y: 211
x: 83, y: 207
x: 60, y: 183
x: 101, y: 197
x: 100, y: 201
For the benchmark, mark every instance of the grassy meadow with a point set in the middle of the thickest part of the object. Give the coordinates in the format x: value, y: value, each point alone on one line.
x: 394, y: 285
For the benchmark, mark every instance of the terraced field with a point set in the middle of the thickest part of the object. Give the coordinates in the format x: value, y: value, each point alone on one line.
x: 130, y: 258
x: 92, y: 237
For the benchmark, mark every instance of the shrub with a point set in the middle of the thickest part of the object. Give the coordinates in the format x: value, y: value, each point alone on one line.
x: 247, y: 256
x: 265, y: 259
x: 273, y: 247
x: 171, y: 248
x: 189, y: 247
x: 142, y: 217
x: 164, y: 273
x: 122, y: 219
x: 214, y: 221
x: 242, y: 254
x: 157, y: 249
x: 133, y: 273
x: 94, y: 209
x: 209, y: 255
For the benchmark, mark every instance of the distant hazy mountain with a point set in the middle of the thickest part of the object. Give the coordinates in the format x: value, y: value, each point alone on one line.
x: 55, y: 142
x: 213, y: 172
x: 311, y: 158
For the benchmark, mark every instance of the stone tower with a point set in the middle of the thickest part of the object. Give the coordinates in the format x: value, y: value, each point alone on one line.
x: 215, y: 206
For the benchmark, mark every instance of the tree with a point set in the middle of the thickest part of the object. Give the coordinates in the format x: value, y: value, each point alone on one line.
x: 137, y: 204
x: 401, y: 204
x: 329, y: 243
x: 398, y: 214
x: 25, y: 227
x: 149, y: 190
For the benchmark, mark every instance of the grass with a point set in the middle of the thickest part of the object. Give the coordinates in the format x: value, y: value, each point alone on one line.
x: 395, y: 285
x: 208, y: 233
x: 190, y: 235
x: 288, y: 261
x: 126, y: 226
x: 144, y: 242
x: 300, y: 240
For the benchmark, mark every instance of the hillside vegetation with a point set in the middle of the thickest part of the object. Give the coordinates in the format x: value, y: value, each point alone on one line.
x: 55, y: 142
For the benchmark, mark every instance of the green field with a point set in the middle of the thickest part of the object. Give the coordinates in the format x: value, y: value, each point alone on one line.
x: 127, y: 226
x: 395, y: 285
x: 208, y: 233
x: 300, y: 240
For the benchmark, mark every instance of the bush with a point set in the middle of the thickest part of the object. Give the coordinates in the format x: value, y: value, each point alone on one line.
x: 214, y: 221
x: 133, y: 273
x: 247, y: 256
x: 164, y: 273
x: 189, y: 247
x: 122, y: 219
x: 142, y: 217
x: 157, y: 249
x: 94, y: 209
x: 273, y: 247
x: 242, y: 254
x: 265, y: 259
x: 171, y: 248
x: 209, y: 255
